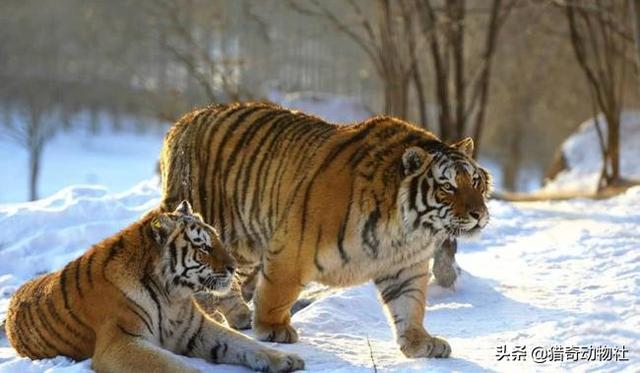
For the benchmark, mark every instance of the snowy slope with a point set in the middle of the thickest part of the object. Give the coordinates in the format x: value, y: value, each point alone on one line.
x: 584, y: 160
x: 542, y: 274
x: 117, y: 160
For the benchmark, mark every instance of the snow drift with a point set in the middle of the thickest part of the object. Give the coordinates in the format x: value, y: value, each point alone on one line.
x: 552, y: 273
x: 542, y: 274
x: 582, y: 154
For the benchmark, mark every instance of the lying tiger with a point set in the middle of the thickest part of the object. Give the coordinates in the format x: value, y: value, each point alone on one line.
x: 127, y: 302
x: 298, y: 199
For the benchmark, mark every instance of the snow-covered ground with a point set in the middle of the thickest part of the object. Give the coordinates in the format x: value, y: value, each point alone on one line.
x: 116, y: 160
x: 584, y: 159
x: 543, y: 274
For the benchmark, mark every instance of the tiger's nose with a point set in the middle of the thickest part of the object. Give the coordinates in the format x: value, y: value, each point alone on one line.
x: 230, y: 269
x: 475, y: 214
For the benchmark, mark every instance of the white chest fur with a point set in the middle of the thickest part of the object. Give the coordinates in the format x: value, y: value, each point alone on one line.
x: 361, y: 266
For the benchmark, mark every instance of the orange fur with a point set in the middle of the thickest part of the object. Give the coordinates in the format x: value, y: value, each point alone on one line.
x: 124, y: 304
x: 305, y: 200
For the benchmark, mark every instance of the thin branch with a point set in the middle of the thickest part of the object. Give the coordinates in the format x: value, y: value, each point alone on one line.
x: 373, y: 361
x: 335, y: 21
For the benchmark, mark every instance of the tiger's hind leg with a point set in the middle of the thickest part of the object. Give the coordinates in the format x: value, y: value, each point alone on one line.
x: 231, y: 305
x: 120, y: 350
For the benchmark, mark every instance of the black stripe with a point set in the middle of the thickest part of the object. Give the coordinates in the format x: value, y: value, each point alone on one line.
x: 370, y: 241
x: 394, y: 291
x: 35, y: 329
x: 125, y: 331
x: 360, y: 135
x: 216, y: 354
x: 145, y: 321
x: 191, y: 344
x: 63, y: 286
x: 292, y: 151
x: 58, y: 319
x: 258, y: 185
x: 148, y: 321
x: 413, y: 193
x: 213, y: 355
x: 173, y: 251
x: 396, y: 276
x: 343, y: 228
x: 113, y: 251
x: 88, y: 267
x: 23, y: 345
x: 295, y: 129
x: 145, y: 283
x: 77, y: 277
x: 243, y: 141
x: 220, y: 200
x: 187, y: 325
x: 65, y: 297
x: 22, y: 325
x: 54, y: 333
x: 316, y: 260
x: 217, y: 122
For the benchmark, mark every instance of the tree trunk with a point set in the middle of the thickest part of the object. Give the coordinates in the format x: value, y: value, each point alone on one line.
x: 94, y: 120
x: 636, y: 22
x: 396, y: 92
x: 35, y: 155
x: 421, y: 98
x: 613, y: 140
x: 512, y: 164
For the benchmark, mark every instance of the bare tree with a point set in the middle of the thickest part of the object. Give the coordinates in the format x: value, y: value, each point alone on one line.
x: 193, y: 33
x: 387, y: 36
x: 461, y: 84
x: 30, y: 129
x: 400, y: 37
x: 597, y: 30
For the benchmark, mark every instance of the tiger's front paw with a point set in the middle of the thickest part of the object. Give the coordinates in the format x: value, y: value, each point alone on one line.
x: 417, y: 343
x: 282, y: 333
x: 274, y: 361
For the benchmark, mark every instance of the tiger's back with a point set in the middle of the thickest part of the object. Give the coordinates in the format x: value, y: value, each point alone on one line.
x: 240, y: 165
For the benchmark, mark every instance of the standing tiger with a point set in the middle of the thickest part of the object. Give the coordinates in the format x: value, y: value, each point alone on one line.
x: 127, y: 302
x: 298, y: 199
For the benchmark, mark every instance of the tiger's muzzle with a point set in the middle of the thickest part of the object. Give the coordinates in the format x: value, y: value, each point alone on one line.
x: 218, y: 282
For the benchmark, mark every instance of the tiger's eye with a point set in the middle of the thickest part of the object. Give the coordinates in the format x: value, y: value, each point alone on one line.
x: 447, y: 187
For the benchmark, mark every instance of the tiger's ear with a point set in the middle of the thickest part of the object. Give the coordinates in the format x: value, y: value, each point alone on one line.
x: 161, y: 227
x: 465, y: 146
x: 184, y: 208
x: 413, y: 159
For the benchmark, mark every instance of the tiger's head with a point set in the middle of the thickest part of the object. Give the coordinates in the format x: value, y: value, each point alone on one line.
x: 444, y: 190
x: 192, y: 256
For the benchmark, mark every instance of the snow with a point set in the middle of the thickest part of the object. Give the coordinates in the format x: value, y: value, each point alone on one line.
x: 116, y: 160
x: 584, y: 159
x: 542, y: 274
x: 547, y: 273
